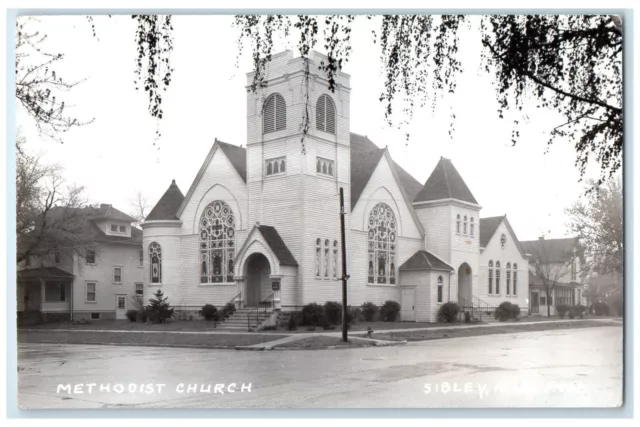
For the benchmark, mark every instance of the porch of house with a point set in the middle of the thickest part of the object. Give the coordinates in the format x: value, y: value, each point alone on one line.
x: 44, y: 294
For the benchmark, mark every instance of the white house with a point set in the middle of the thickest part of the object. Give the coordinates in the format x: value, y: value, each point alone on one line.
x: 64, y: 286
x: 262, y: 224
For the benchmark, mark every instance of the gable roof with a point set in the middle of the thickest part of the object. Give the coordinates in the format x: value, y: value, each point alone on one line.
x: 168, y: 205
x: 362, y: 144
x: 553, y: 250
x: 425, y: 260
x: 237, y: 156
x: 362, y: 167
x: 445, y: 183
x: 277, y: 245
x: 488, y: 227
x: 106, y: 211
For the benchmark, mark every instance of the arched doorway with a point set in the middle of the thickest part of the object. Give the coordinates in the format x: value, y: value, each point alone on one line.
x: 257, y: 271
x: 464, y: 282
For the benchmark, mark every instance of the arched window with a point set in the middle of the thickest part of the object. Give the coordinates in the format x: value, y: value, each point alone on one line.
x: 490, y: 277
x: 318, y: 256
x: 508, y: 272
x: 473, y: 226
x: 440, y: 286
x: 515, y: 279
x: 274, y: 115
x: 464, y: 226
x: 335, y: 259
x: 155, y: 262
x: 282, y: 165
x: 326, y: 259
x: 325, y: 115
x: 458, y: 224
x: 503, y: 240
x: 381, y: 245
x: 217, y: 243
x: 497, y: 277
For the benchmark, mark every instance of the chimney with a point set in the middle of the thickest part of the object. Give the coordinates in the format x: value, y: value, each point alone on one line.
x: 104, y: 205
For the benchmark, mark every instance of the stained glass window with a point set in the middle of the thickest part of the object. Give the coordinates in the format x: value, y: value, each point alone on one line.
x: 464, y: 229
x: 155, y: 262
x: 472, y: 225
x: 490, y: 277
x: 440, y: 285
x: 382, y: 236
x: 326, y: 258
x: 497, y: 277
x: 503, y: 240
x: 318, y: 256
x: 508, y: 280
x: 458, y: 224
x: 217, y: 243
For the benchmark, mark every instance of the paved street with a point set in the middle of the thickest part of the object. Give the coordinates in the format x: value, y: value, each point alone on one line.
x: 562, y: 368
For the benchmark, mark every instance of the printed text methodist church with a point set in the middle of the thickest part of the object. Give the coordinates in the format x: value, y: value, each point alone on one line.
x: 266, y: 217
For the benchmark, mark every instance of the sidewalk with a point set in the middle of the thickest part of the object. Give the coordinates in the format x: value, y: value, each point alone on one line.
x: 284, y: 337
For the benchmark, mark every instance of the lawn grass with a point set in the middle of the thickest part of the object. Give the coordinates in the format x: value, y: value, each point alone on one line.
x: 125, y: 325
x: 314, y: 343
x: 472, y: 332
x: 133, y: 339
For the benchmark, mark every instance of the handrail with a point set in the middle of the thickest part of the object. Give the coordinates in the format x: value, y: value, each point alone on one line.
x: 264, y: 305
x: 234, y: 302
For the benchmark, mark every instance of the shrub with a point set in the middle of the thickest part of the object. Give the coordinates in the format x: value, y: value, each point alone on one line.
x: 507, y: 311
x: 356, y: 314
x: 448, y: 312
x: 562, y: 310
x: 369, y: 311
x: 209, y: 312
x: 141, y: 316
x: 228, y: 310
x: 159, y: 309
x: 333, y: 311
x: 577, y: 311
x: 132, y: 315
x: 292, y: 324
x: 311, y: 314
x: 389, y: 311
x: 601, y: 308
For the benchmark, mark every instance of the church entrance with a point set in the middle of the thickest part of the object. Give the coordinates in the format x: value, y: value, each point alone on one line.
x: 258, y: 281
x: 464, y: 283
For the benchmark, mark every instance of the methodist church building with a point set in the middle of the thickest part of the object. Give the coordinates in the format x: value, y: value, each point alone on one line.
x: 262, y: 222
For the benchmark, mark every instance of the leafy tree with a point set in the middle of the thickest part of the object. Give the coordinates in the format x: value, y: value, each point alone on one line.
x: 49, y: 217
x: 159, y: 309
x: 596, y: 220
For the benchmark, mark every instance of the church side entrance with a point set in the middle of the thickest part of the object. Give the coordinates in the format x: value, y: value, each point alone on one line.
x: 258, y: 282
x: 464, y: 283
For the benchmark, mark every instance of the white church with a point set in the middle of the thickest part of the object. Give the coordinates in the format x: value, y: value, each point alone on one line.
x: 261, y: 223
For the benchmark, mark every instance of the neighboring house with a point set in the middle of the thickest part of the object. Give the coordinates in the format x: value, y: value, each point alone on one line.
x: 261, y: 223
x: 63, y: 286
x: 554, y: 262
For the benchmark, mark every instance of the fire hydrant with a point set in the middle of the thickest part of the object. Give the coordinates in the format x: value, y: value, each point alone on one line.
x: 369, y: 331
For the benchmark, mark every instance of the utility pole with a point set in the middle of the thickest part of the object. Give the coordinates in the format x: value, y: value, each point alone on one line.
x: 345, y: 276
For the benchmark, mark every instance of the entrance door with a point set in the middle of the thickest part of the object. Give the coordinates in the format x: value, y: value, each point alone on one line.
x: 258, y: 283
x: 407, y: 307
x: 121, y: 306
x: 535, y: 302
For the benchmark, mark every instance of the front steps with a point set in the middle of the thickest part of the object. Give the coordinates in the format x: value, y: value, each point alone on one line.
x: 243, y: 319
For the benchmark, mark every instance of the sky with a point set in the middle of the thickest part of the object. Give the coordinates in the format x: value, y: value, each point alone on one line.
x: 114, y: 157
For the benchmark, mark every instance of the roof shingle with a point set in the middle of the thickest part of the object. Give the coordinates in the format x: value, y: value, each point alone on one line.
x: 168, y: 205
x: 424, y: 260
x: 445, y: 183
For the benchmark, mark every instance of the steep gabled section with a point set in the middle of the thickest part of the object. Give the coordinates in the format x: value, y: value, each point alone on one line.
x: 168, y: 205
x: 445, y: 183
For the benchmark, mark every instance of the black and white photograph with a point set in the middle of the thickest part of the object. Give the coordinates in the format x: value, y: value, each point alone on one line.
x: 317, y: 211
